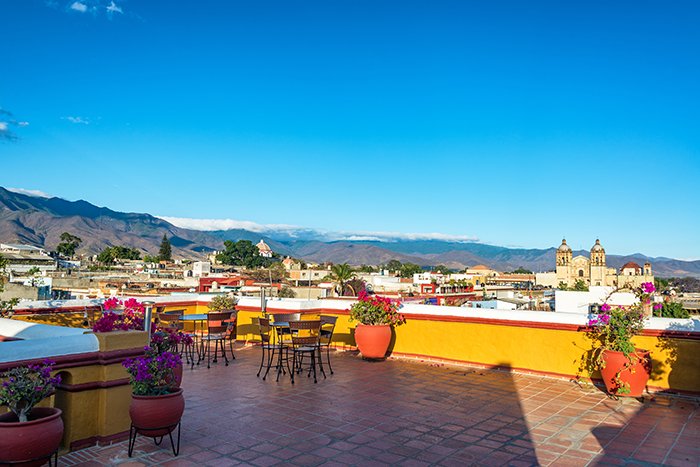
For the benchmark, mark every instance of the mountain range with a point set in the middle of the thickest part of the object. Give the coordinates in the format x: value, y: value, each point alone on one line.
x: 40, y: 221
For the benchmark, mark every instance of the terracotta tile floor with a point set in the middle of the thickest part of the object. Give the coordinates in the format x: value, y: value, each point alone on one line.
x: 402, y: 412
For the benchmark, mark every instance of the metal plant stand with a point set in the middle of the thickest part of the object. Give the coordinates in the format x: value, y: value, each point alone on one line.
x: 133, y: 432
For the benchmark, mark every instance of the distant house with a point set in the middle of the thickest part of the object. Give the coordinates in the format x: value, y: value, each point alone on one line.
x: 22, y: 258
x: 264, y: 249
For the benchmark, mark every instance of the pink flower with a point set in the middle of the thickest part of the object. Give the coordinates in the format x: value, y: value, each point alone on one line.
x: 648, y: 287
x: 658, y: 306
x: 605, y: 307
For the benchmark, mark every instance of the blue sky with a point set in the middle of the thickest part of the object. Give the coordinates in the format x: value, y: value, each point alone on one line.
x: 514, y: 123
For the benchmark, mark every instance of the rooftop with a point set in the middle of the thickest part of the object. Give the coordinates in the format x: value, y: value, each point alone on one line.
x: 411, y: 413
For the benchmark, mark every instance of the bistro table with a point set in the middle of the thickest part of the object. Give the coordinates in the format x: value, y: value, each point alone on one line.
x: 197, y: 318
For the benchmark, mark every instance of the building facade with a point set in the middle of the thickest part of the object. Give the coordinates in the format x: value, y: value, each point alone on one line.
x: 593, y: 271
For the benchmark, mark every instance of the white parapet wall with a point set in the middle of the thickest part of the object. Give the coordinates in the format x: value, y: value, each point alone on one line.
x: 38, y: 341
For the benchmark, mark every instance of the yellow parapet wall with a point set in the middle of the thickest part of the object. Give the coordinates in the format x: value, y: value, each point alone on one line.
x: 542, y: 348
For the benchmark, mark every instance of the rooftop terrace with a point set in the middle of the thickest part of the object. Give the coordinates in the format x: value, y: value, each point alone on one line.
x: 403, y: 412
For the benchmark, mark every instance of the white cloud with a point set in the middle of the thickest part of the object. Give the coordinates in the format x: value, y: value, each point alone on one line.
x: 293, y: 231
x: 22, y: 123
x: 113, y: 8
x: 80, y: 120
x: 3, y: 126
x: 77, y: 6
x: 35, y: 193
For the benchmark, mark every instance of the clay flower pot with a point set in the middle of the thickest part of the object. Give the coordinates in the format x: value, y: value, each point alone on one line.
x: 620, y: 372
x: 373, y: 340
x: 33, y: 442
x: 156, y: 416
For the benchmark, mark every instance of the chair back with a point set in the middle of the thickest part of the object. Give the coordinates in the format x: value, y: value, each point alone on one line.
x: 327, y: 328
x: 171, y: 320
x: 285, y: 317
x: 264, y: 330
x: 231, y: 323
x: 305, y: 332
x: 215, y: 321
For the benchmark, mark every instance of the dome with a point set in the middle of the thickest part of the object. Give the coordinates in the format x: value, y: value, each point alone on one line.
x: 597, y: 246
x: 564, y: 246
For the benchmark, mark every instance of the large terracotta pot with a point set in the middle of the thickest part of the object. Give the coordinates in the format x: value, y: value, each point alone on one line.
x: 156, y: 416
x: 177, y: 373
x: 633, y: 374
x: 35, y: 439
x: 373, y: 340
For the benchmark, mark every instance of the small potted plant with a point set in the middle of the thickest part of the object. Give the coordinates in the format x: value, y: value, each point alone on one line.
x: 625, y: 369
x: 156, y: 404
x: 222, y: 303
x: 29, y: 433
x: 169, y: 340
x: 376, y: 315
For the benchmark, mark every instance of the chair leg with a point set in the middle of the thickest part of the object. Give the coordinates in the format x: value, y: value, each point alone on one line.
x: 328, y: 358
x: 223, y: 351
x: 230, y: 344
x: 294, y: 361
x: 270, y: 359
x: 313, y: 364
x: 262, y: 359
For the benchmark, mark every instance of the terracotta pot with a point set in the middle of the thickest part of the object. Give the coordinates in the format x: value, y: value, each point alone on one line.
x: 373, y: 340
x: 36, y: 439
x: 156, y: 416
x: 177, y: 372
x: 633, y: 376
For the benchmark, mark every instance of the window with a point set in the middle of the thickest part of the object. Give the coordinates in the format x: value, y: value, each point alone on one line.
x: 580, y: 273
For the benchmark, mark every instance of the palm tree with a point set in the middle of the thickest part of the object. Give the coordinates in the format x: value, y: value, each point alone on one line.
x: 341, y: 274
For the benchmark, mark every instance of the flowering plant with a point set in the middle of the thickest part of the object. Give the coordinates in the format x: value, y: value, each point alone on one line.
x: 153, y: 373
x: 372, y: 309
x: 26, y: 386
x: 614, y: 327
x: 168, y: 340
x: 131, y: 316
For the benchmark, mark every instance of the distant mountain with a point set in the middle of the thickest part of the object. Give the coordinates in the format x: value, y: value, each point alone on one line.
x: 40, y: 221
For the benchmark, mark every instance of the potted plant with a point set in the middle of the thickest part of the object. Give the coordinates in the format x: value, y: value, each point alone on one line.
x: 223, y: 303
x: 375, y: 315
x: 169, y: 340
x: 29, y: 435
x: 156, y: 404
x: 625, y: 369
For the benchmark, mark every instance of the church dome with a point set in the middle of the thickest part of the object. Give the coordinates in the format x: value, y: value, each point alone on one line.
x: 564, y: 246
x: 597, y: 246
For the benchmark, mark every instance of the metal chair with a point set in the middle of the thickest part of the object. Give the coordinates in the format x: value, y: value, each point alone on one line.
x: 216, y: 332
x: 172, y: 321
x: 267, y: 346
x: 327, y: 329
x: 305, y: 341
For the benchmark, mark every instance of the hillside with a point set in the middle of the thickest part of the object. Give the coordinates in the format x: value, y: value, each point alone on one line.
x: 40, y: 221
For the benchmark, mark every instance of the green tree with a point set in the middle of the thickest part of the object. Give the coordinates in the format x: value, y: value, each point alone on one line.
x: 150, y: 259
x: 286, y: 292
x: 562, y: 286
x: 33, y: 270
x: 580, y: 286
x: 366, y: 268
x: 166, y: 250
x: 69, y: 243
x: 409, y: 269
x: 112, y: 253
x: 393, y: 265
x: 341, y: 274
x: 242, y: 253
x: 674, y: 310
x: 441, y: 268
x: 522, y: 270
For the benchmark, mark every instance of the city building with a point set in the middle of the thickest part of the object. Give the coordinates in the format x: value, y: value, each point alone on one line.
x: 593, y: 271
x: 264, y: 249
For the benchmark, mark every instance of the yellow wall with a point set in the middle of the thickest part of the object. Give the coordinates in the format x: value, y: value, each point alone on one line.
x: 548, y: 351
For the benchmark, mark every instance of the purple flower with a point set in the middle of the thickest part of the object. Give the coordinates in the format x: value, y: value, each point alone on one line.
x: 658, y: 306
x: 605, y: 307
x: 648, y: 287
x: 605, y: 319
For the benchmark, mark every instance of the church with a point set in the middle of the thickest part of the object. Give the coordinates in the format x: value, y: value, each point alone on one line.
x: 593, y: 271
